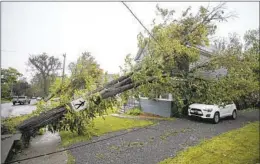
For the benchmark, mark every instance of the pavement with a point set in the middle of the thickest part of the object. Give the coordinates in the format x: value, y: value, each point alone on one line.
x: 10, y: 110
x: 42, y: 144
x: 155, y: 143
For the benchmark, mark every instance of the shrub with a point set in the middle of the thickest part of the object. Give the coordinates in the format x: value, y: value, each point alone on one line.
x: 41, y: 131
x: 134, y: 111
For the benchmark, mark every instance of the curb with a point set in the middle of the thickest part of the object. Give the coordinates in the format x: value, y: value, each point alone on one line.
x: 141, y: 118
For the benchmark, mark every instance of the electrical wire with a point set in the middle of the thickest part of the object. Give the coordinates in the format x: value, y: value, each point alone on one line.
x: 151, y: 35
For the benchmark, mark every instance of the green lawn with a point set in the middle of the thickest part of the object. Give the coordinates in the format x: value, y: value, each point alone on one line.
x: 5, y: 101
x: 240, y: 146
x: 109, y: 111
x: 13, y: 122
x: 71, y: 159
x: 102, y: 126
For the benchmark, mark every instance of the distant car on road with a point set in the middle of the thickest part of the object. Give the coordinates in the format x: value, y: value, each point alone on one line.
x: 21, y: 100
x: 213, y: 112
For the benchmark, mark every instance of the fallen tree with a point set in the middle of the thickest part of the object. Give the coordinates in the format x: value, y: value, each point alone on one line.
x: 33, y: 124
x: 189, y: 30
x: 117, y: 86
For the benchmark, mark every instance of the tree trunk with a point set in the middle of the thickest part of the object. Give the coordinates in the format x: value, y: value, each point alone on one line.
x: 45, y: 85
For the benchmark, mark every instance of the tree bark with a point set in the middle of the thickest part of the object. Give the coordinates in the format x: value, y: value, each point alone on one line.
x: 45, y: 85
x: 118, y: 80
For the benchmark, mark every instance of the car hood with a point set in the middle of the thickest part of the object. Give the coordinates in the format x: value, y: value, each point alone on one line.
x: 201, y: 106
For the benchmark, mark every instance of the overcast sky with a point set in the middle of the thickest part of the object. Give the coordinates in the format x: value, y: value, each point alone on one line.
x: 106, y: 29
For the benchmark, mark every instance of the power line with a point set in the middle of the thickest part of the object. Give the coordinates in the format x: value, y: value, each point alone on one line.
x: 143, y: 26
x: 59, y: 151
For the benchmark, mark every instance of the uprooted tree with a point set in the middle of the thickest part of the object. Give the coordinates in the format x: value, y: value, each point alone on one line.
x: 164, y: 70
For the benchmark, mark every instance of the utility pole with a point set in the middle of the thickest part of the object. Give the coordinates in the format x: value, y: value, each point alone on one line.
x: 64, y: 55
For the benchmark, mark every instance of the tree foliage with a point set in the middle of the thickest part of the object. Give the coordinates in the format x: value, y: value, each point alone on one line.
x: 9, y: 77
x: 173, y: 48
x: 86, y: 75
x: 37, y: 85
x: 46, y: 66
x: 22, y: 87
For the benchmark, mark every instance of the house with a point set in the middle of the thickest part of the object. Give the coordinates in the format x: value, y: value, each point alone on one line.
x: 164, y: 105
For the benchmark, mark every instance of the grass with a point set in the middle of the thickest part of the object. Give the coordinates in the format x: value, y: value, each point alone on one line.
x: 108, y: 111
x: 5, y: 101
x: 41, y: 131
x: 102, y: 126
x: 238, y: 146
x: 13, y: 122
x: 134, y: 112
x: 248, y: 110
x: 111, y: 111
x: 71, y: 159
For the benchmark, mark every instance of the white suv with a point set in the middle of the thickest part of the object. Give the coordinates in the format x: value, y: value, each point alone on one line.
x: 213, y: 112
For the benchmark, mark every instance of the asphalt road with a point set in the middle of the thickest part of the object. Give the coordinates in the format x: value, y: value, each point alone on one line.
x: 154, y: 143
x: 10, y: 110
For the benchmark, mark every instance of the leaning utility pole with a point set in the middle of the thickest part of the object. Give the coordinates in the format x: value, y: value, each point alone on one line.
x: 64, y: 55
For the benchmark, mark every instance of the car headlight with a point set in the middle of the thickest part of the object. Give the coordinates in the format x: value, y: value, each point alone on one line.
x: 208, y: 110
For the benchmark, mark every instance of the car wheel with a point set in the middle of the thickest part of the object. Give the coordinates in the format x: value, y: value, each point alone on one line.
x: 13, y: 103
x: 234, y: 115
x: 29, y: 102
x: 20, y: 103
x: 216, y: 118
